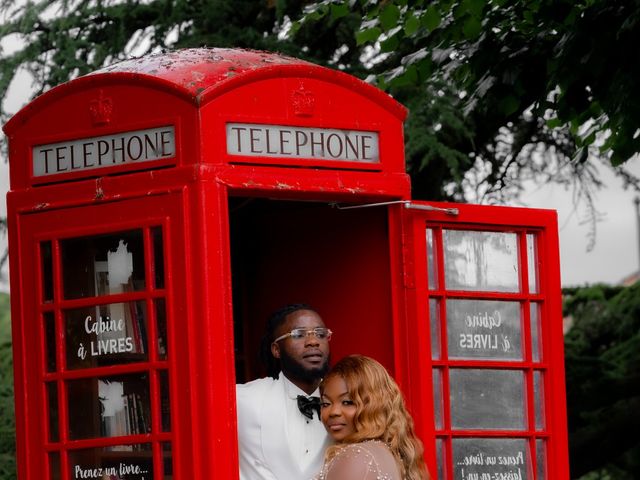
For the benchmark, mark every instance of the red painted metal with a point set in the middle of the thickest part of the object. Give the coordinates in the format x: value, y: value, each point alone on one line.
x: 242, y: 235
x: 521, y: 221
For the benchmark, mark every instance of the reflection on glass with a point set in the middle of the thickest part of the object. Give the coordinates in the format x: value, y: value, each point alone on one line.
x: 434, y: 321
x: 481, y: 261
x: 115, y: 462
x: 431, y: 261
x: 109, y: 406
x: 54, y: 466
x: 484, y: 329
x: 47, y: 271
x: 491, y: 458
x: 161, y: 322
x: 487, y: 399
x: 534, y: 319
x: 158, y: 257
x: 538, y: 398
x: 50, y: 341
x: 541, y: 458
x: 165, y: 406
x: 103, y: 264
x: 167, y: 462
x: 52, y: 400
x: 532, y: 263
x: 437, y: 398
x: 106, y: 335
x: 440, y: 458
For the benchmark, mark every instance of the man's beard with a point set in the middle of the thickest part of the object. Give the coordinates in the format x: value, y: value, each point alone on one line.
x: 295, y: 370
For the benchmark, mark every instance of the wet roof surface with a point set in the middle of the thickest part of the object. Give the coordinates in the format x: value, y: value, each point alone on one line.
x: 197, y: 69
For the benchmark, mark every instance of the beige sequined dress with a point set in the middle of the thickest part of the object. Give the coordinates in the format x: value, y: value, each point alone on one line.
x: 371, y: 460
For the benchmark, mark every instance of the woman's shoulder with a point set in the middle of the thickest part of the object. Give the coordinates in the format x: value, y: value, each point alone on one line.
x: 371, y: 460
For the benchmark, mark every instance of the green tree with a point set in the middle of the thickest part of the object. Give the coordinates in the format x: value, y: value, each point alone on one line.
x: 501, y: 91
x: 602, y: 356
x: 7, y: 419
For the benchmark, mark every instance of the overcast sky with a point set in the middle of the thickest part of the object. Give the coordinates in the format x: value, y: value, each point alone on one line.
x: 615, y: 255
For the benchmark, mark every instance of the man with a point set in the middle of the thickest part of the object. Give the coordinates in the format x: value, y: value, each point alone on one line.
x: 280, y: 435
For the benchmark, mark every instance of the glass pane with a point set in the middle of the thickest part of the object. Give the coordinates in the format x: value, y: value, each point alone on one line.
x: 158, y: 257
x: 167, y: 460
x: 491, y: 458
x: 431, y: 261
x: 52, y: 399
x: 120, y: 462
x: 109, y: 406
x: 54, y: 466
x: 47, y: 271
x: 165, y: 406
x: 481, y: 261
x: 538, y: 398
x: 106, y: 335
x: 487, y: 399
x: 541, y: 459
x: 532, y: 263
x: 484, y: 329
x: 434, y: 320
x: 103, y: 265
x: 50, y: 341
x: 534, y: 319
x: 161, y: 319
x: 440, y: 458
x: 437, y: 398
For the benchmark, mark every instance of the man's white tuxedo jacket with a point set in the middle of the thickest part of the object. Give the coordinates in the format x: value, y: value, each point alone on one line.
x: 263, y: 448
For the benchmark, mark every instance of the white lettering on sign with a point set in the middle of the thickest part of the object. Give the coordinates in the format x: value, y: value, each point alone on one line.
x: 297, y: 142
x: 123, y: 469
x: 492, y: 473
x: 107, y: 151
x: 120, y: 343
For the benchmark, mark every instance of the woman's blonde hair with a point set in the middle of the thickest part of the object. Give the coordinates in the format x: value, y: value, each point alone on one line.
x: 380, y: 413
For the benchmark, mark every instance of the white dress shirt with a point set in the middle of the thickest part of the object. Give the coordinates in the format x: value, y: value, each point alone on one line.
x: 305, y: 436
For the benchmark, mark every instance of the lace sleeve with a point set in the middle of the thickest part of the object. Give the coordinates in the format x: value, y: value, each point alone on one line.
x: 355, y: 462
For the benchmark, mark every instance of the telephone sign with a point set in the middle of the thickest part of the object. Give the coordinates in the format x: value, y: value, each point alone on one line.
x: 189, y: 194
x: 108, y: 150
x: 299, y: 142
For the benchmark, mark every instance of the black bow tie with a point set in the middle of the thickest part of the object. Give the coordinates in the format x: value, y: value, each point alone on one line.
x: 308, y: 405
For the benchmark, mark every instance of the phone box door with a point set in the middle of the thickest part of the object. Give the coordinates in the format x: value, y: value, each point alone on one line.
x: 485, y: 359
x: 99, y: 343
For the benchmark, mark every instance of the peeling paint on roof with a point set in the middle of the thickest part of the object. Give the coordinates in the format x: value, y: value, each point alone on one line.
x: 196, y: 69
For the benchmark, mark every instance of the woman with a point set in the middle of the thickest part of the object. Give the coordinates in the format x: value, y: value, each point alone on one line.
x: 363, y: 410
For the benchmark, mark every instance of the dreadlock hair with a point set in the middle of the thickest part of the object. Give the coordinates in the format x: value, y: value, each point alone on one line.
x: 381, y: 414
x: 276, y: 319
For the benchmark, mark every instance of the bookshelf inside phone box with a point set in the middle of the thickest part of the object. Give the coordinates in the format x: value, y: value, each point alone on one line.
x: 160, y: 209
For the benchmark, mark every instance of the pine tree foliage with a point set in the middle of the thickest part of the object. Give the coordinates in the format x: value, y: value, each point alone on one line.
x: 61, y: 39
x: 602, y: 356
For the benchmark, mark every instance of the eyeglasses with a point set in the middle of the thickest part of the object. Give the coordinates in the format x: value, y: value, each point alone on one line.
x: 300, y: 333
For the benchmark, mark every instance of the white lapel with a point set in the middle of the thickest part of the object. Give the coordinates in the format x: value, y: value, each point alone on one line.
x: 274, y: 435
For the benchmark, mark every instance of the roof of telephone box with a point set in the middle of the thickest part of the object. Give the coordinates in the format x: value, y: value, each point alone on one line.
x: 201, y: 74
x: 197, y: 69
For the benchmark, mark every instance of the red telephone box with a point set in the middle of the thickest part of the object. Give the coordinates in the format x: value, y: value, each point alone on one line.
x: 161, y: 208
